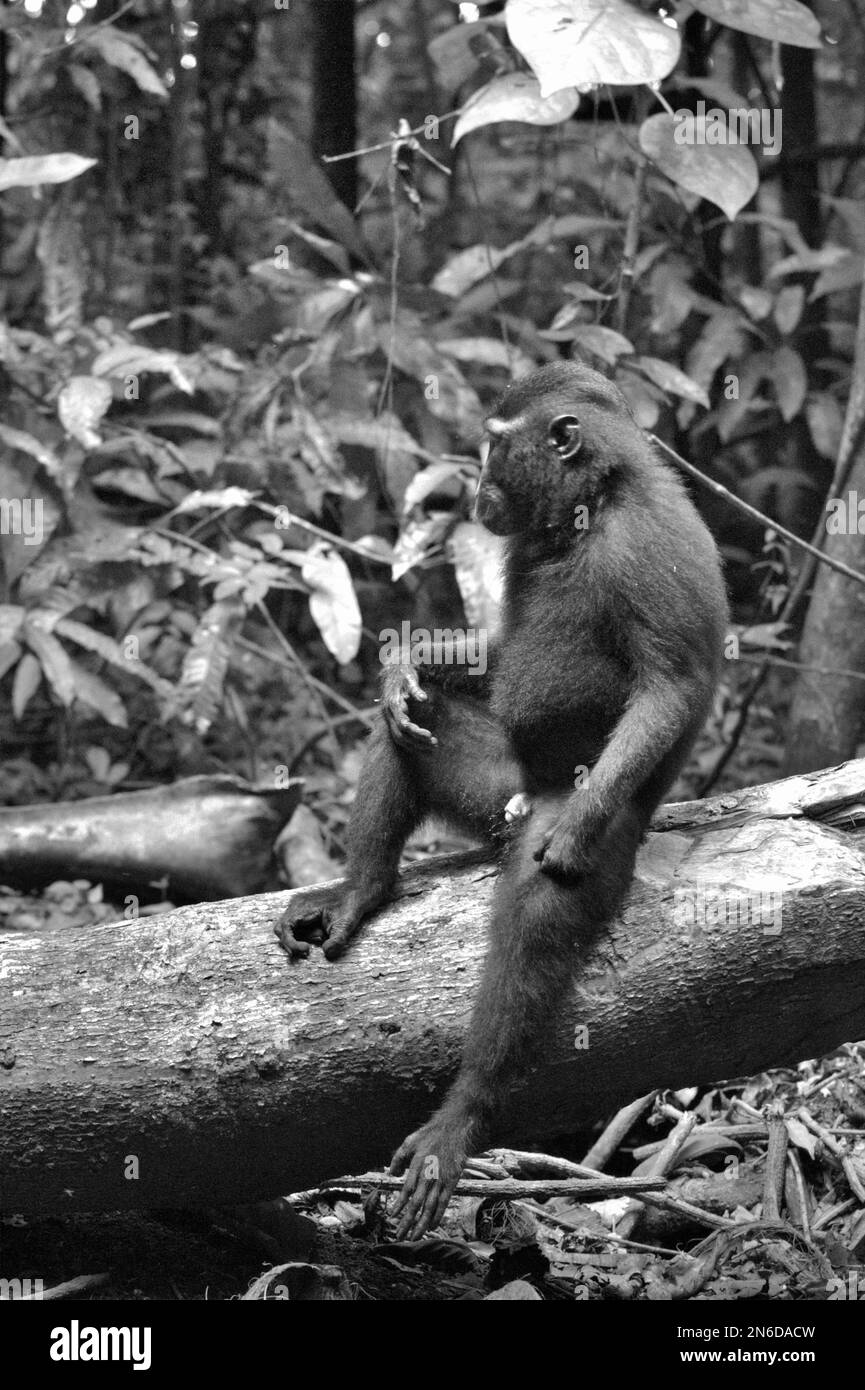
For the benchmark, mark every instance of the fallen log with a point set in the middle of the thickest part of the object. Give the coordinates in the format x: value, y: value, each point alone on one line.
x: 183, y: 1059
x: 200, y: 838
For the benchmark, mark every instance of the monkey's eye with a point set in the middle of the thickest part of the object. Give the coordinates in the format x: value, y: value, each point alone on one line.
x: 565, y: 436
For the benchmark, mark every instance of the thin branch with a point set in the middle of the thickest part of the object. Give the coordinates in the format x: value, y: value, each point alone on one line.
x: 832, y: 671
x: 606, y: 1144
x: 632, y: 242
x: 310, y: 526
x: 292, y: 666
x: 721, y: 491
x: 364, y: 716
x: 388, y: 144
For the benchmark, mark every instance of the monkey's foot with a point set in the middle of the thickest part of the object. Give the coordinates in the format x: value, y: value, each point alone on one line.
x: 330, y: 921
x: 301, y: 919
x: 432, y: 1159
x: 518, y: 807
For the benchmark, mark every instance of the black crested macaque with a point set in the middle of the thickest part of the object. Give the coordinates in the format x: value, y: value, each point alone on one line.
x: 610, y: 648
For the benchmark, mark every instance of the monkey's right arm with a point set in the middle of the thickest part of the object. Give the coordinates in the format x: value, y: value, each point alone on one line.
x: 402, y: 681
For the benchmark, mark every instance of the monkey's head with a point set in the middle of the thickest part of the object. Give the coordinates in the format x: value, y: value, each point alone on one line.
x: 558, y: 439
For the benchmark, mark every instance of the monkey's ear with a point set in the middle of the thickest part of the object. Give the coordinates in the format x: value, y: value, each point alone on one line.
x: 565, y: 436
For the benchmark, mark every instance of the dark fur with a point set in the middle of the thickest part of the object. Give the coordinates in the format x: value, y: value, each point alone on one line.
x: 608, y: 656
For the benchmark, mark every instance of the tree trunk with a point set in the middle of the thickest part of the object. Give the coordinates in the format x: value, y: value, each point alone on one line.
x: 183, y: 1059
x: 825, y: 723
x: 334, y: 96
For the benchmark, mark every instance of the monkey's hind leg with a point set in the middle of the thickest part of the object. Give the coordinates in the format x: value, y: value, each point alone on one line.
x: 467, y: 778
x: 538, y: 930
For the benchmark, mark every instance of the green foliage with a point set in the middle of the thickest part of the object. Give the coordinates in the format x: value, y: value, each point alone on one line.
x: 314, y: 447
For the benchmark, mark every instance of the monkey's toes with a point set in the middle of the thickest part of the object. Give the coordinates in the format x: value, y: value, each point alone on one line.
x: 289, y: 942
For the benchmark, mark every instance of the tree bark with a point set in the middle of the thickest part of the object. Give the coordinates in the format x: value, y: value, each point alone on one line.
x: 825, y: 721
x: 183, y: 1059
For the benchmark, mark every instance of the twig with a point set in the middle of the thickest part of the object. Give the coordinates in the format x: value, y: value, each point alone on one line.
x: 575, y: 1187
x: 857, y: 1232
x: 740, y: 505
x: 536, y: 1162
x: 292, y: 665
x: 801, y: 1206
x: 661, y: 1165
x: 388, y: 144
x: 773, y: 1181
x: 560, y: 1219
x: 741, y: 1104
x: 306, y: 676
x: 818, y: 1082
x: 319, y: 531
x: 606, y: 1144
x: 665, y: 1202
x: 594, y: 1189
x: 831, y: 1143
x: 632, y: 235
x: 832, y: 1214
x: 385, y: 395
x: 525, y: 1163
x: 364, y: 716
x: 728, y: 1131
x: 831, y: 671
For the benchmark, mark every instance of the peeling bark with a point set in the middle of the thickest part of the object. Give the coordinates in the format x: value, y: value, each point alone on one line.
x: 183, y: 1059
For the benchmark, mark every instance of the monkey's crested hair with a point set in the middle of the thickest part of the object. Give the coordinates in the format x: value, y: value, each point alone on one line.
x: 574, y: 382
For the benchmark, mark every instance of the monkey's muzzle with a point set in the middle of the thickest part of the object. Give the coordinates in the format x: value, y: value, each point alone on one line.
x: 492, y: 510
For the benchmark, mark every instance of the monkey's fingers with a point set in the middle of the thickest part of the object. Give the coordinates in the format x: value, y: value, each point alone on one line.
x: 417, y: 1202
x: 423, y: 1212
x: 339, y: 934
x: 428, y: 1187
x: 412, y: 684
x: 403, y: 732
x: 303, y: 918
x: 289, y: 942
x: 566, y: 875
x: 416, y: 736
x: 398, y: 1164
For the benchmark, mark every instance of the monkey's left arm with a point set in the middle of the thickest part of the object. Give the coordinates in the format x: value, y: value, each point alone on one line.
x: 645, y: 750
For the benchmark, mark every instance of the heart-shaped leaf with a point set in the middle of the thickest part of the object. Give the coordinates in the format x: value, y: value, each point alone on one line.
x: 724, y: 174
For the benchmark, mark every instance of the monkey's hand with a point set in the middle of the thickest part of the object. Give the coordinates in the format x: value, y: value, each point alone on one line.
x: 564, y: 854
x: 399, y: 685
x: 432, y: 1159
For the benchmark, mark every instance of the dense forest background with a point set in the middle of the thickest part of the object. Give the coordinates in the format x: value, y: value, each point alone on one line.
x: 242, y: 387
